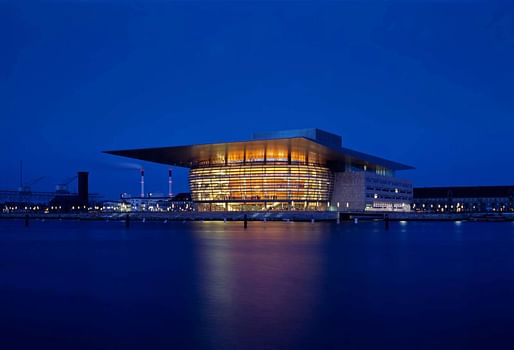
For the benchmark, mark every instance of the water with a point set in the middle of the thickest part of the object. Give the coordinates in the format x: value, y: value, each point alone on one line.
x: 98, y: 285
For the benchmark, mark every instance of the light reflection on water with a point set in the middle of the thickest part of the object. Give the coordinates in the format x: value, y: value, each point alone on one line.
x: 248, y: 280
x: 275, y: 285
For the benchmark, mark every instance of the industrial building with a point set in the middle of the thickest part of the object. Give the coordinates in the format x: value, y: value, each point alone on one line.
x: 304, y: 169
x: 154, y: 202
x: 78, y: 201
x: 464, y: 199
x: 62, y: 199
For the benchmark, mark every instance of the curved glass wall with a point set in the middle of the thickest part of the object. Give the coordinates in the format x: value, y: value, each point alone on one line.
x: 265, y: 183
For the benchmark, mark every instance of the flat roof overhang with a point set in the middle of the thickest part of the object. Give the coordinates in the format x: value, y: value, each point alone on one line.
x: 190, y: 156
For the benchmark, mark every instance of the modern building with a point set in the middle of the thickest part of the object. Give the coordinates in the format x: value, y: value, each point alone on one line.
x: 304, y: 169
x: 464, y: 199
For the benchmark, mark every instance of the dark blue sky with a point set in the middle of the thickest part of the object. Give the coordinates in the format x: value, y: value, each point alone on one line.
x: 429, y: 84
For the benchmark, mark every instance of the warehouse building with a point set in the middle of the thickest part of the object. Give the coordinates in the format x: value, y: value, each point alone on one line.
x: 464, y: 199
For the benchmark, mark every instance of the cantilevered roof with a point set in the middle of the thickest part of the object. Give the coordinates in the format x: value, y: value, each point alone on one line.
x: 193, y: 155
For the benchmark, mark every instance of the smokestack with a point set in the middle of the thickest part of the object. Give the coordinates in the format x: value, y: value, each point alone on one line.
x: 170, y: 183
x: 83, y: 187
x: 142, y: 182
x: 21, y: 173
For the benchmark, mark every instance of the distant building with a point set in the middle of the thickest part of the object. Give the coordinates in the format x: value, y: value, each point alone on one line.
x: 154, y: 202
x: 287, y: 170
x: 80, y: 201
x: 464, y: 199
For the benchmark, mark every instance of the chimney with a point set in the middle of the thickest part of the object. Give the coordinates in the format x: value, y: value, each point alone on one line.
x: 170, y: 182
x: 83, y: 187
x: 142, y: 182
x: 21, y: 173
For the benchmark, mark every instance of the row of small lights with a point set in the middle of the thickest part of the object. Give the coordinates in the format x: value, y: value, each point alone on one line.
x: 458, y: 206
x: 122, y: 208
x: 37, y: 207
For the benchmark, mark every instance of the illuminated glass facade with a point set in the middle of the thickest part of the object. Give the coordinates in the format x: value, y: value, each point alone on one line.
x: 261, y: 186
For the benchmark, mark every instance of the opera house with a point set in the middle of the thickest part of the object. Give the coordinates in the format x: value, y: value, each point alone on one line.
x: 304, y: 169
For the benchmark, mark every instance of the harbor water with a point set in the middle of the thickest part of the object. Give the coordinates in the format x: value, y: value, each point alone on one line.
x: 273, y: 285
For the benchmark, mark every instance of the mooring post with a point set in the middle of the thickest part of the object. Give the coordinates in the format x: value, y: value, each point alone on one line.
x: 386, y: 222
x: 127, y: 221
x: 245, y: 221
x: 26, y: 220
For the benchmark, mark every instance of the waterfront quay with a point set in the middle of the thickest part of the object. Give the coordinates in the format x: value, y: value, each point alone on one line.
x: 312, y: 216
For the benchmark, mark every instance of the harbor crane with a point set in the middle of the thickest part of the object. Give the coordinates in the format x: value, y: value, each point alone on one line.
x: 62, y: 188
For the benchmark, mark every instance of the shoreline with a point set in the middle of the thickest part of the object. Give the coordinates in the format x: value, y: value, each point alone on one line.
x: 325, y: 216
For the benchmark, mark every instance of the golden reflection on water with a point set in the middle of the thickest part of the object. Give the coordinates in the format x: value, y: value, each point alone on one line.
x: 266, y: 277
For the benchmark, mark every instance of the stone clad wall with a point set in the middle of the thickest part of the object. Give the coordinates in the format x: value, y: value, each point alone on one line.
x: 349, y: 188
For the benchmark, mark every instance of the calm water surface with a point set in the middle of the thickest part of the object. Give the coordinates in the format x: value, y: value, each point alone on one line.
x: 98, y: 285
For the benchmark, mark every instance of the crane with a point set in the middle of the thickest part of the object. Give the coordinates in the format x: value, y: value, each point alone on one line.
x: 63, y: 186
x: 27, y: 187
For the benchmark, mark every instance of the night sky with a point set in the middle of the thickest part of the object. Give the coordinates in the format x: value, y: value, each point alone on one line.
x: 430, y: 84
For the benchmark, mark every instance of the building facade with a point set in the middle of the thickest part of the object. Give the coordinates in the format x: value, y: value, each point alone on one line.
x: 464, y: 199
x: 287, y: 170
x: 358, y: 190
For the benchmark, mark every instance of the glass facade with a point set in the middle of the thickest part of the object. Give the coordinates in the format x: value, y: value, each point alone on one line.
x: 261, y: 187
